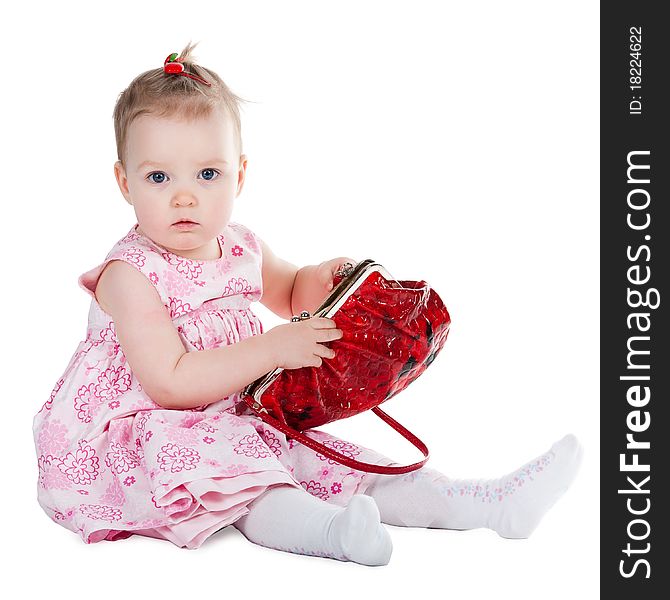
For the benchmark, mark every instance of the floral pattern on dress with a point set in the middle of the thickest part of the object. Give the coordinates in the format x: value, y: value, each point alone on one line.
x: 120, y: 459
x: 175, y: 458
x: 191, y: 269
x: 81, y: 466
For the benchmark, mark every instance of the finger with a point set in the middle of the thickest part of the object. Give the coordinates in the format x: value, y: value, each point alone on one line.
x: 324, y: 351
x: 322, y: 323
x: 337, y: 265
x: 328, y: 335
x: 324, y: 273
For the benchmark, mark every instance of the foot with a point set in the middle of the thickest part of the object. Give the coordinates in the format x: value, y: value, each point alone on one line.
x: 521, y: 499
x: 359, y: 533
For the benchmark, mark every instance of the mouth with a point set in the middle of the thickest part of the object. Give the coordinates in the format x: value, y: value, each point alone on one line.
x: 185, y: 222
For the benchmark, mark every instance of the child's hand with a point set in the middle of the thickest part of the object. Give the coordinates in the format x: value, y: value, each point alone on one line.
x: 296, y: 344
x: 325, y: 272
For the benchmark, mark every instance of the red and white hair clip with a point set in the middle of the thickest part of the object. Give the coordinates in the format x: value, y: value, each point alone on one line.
x: 174, y: 66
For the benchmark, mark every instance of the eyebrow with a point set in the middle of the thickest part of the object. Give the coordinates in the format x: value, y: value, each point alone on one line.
x: 148, y: 163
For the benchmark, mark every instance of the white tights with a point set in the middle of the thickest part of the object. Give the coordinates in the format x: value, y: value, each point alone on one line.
x: 290, y: 519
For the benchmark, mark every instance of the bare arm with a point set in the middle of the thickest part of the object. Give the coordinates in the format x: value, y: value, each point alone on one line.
x: 288, y: 290
x: 208, y: 375
x: 307, y: 293
x: 278, y: 279
x: 170, y: 375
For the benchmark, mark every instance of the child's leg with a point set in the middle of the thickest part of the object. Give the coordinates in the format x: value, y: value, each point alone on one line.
x: 512, y: 505
x: 291, y: 519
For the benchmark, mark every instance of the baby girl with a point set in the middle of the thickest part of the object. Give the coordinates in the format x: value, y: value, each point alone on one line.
x: 140, y: 434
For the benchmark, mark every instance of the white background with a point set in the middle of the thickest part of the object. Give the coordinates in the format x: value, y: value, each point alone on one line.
x: 455, y: 142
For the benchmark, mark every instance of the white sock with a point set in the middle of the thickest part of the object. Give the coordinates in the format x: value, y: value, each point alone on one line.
x: 289, y: 519
x: 512, y: 505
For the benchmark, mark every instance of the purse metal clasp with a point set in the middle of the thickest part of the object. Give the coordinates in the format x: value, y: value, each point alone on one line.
x: 345, y: 269
x: 303, y: 315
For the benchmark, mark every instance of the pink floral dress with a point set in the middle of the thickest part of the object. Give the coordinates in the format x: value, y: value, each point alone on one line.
x: 113, y: 463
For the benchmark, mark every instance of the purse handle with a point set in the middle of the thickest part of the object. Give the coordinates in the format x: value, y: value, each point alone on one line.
x: 350, y: 462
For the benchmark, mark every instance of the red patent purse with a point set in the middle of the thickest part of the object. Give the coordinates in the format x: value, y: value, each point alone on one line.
x: 392, y: 331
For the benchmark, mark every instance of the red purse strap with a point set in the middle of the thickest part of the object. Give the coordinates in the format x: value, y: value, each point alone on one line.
x: 350, y: 462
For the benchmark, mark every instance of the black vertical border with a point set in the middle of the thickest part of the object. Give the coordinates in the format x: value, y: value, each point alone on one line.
x: 620, y: 134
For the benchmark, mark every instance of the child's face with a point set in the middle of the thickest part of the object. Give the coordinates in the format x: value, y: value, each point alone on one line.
x: 189, y: 180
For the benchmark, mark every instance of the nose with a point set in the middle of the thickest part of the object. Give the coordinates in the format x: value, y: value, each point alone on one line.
x: 184, y: 198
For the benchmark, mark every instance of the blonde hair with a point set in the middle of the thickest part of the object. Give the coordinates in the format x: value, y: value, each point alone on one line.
x: 165, y: 95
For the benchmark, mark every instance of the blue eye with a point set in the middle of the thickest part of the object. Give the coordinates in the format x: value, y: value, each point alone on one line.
x: 151, y: 175
x: 211, y: 171
x: 163, y: 176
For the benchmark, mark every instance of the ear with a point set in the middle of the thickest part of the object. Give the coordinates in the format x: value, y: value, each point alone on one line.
x: 122, y: 180
x: 241, y: 174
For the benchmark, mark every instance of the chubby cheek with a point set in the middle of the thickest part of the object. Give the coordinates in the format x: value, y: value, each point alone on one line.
x: 220, y: 205
x: 145, y: 213
x: 152, y: 221
x: 222, y: 215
